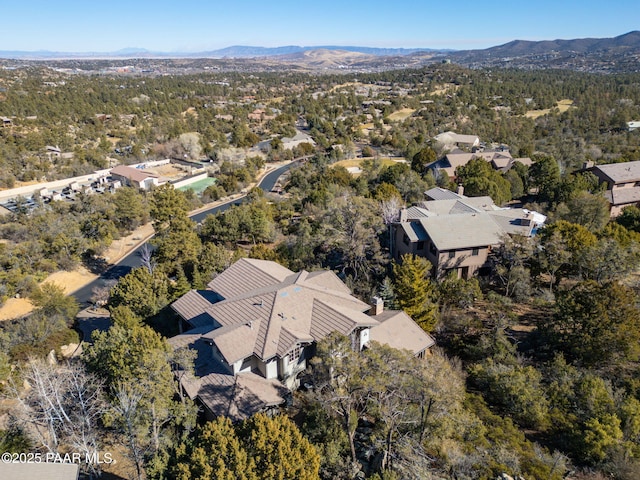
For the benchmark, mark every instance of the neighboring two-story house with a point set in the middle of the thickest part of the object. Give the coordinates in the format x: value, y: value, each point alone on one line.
x: 623, y: 184
x: 457, y: 233
x: 256, y: 326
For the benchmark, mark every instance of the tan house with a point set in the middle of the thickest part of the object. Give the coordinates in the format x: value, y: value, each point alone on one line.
x: 457, y: 233
x: 458, y: 140
x: 259, y: 115
x: 134, y: 177
x: 256, y: 326
x: 500, y: 159
x: 623, y: 184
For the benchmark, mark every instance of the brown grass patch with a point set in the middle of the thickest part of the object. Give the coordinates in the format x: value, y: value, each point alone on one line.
x: 442, y: 89
x: 69, y: 281
x: 169, y: 171
x: 401, y: 115
x: 561, y: 105
x: 190, y: 111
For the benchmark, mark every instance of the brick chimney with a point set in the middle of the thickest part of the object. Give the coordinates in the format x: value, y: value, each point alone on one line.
x: 377, y: 306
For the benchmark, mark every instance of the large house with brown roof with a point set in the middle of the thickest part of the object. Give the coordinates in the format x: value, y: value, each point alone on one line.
x: 134, y: 177
x: 457, y: 233
x: 256, y: 325
x: 623, y: 184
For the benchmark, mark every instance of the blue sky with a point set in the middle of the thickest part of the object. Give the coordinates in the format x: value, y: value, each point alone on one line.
x: 197, y: 25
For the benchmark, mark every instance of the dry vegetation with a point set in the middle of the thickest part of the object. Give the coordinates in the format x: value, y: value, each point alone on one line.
x: 401, y: 115
x: 446, y: 88
x: 562, y: 106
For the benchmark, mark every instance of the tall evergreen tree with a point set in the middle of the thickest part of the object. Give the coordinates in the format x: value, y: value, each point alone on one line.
x: 415, y: 292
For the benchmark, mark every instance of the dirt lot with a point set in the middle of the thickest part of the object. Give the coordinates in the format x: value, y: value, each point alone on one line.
x: 169, y: 171
x: 72, y: 281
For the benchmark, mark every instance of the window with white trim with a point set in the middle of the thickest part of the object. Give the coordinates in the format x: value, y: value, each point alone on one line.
x: 294, y: 355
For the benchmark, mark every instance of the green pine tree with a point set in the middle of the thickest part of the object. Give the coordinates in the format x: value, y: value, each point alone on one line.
x: 415, y: 291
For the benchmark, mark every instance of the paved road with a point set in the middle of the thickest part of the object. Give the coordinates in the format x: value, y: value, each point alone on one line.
x: 131, y: 261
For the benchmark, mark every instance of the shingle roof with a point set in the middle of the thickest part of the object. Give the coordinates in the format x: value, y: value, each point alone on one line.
x: 437, y: 193
x: 623, y: 196
x: 449, y: 207
x: 248, y: 274
x: 134, y: 174
x: 235, y: 342
x: 241, y: 396
x: 414, y: 213
x: 621, y: 172
x: 453, y: 232
x: 192, y: 306
x: 268, y: 316
x: 398, y: 330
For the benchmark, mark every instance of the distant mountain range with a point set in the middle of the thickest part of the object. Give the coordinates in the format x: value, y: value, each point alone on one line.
x: 602, y: 55
x: 580, y: 45
x: 236, y: 51
x: 621, y: 53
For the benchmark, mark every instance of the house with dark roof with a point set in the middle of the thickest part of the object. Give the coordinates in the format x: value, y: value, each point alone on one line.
x: 457, y: 233
x: 623, y: 184
x: 255, y: 328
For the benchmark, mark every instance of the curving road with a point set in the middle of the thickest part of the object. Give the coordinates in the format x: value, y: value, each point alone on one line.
x: 131, y: 261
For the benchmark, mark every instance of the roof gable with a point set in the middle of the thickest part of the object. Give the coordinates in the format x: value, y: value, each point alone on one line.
x: 398, y: 330
x: 248, y: 274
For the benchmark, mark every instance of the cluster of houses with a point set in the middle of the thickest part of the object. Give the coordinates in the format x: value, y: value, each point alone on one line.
x: 622, y: 180
x: 256, y: 325
x: 109, y: 180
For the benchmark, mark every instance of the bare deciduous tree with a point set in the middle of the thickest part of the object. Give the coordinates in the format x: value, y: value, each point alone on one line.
x: 100, y: 294
x: 126, y: 405
x: 59, y: 406
x: 390, y: 214
x: 146, y: 257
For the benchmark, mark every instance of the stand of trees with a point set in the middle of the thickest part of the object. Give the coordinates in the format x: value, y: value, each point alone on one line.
x: 538, y: 370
